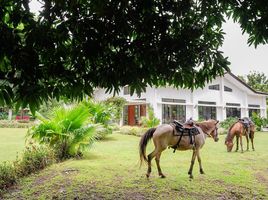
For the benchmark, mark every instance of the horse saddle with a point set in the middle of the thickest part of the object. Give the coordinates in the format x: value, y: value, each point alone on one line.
x: 246, y: 124
x: 185, y: 129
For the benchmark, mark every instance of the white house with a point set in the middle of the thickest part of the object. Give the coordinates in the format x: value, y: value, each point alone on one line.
x: 224, y: 97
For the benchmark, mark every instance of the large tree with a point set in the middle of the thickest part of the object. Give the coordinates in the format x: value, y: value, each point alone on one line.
x: 74, y: 46
x: 256, y: 80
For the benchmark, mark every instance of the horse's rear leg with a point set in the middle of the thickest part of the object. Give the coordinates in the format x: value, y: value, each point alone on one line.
x: 157, y: 160
x: 251, y: 139
x: 190, y: 172
x: 237, y: 142
x: 247, y: 142
x: 199, y: 161
x: 150, y: 157
x: 241, y: 144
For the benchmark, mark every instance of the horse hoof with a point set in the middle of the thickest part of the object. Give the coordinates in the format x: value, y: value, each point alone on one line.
x: 202, y: 172
x: 162, y: 176
x: 147, y: 175
x: 191, y: 177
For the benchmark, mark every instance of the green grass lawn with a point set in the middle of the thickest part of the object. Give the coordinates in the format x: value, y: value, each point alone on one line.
x: 111, y: 171
x: 11, y: 142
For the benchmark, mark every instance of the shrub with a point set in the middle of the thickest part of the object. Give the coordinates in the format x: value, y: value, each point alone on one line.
x: 3, y: 115
x: 34, y: 158
x: 8, y: 176
x: 67, y: 132
x: 150, y: 121
x: 132, y: 130
x: 15, y: 124
x: 46, y: 109
x: 118, y: 104
x: 227, y: 123
x: 259, y: 121
x: 101, y: 113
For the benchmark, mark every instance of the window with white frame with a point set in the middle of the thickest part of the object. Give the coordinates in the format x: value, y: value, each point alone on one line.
x: 214, y: 87
x: 227, y: 89
x: 233, y: 110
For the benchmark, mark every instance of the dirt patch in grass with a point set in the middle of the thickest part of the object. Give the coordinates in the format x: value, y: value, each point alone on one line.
x: 234, y: 192
x: 43, y: 178
x: 227, y: 173
x: 260, y: 177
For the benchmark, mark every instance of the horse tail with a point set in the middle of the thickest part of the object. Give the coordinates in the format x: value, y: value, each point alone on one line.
x: 143, y: 143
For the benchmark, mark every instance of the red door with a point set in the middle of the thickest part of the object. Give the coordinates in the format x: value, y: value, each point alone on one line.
x: 131, y: 115
x: 143, y: 110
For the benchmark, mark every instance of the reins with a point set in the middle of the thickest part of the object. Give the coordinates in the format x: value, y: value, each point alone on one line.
x: 215, y: 132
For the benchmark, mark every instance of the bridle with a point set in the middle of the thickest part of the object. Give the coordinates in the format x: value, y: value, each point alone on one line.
x: 215, y: 133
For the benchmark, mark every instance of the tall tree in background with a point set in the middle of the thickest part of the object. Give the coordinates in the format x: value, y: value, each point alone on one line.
x: 256, y: 80
x: 74, y: 46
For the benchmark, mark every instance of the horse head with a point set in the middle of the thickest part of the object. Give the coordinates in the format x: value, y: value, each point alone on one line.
x: 214, y: 130
x: 229, y: 144
x: 210, y: 128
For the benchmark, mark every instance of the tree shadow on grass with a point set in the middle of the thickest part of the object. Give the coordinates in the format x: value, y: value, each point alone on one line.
x: 91, y: 156
x: 107, y: 139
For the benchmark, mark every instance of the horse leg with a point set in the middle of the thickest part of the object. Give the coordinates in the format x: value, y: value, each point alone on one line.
x: 241, y: 144
x: 157, y: 160
x: 190, y: 172
x: 237, y: 141
x: 251, y: 139
x: 150, y: 157
x: 199, y: 161
x: 247, y: 142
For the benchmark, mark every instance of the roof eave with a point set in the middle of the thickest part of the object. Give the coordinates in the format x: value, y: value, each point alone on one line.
x: 245, y: 84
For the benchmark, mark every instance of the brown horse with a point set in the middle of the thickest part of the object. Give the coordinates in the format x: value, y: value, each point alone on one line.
x: 238, y: 130
x: 163, y: 136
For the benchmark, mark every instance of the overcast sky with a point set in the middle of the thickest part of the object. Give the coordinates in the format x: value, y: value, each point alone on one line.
x: 242, y: 57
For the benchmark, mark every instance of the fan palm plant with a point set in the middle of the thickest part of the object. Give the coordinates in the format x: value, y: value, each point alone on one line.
x: 101, y: 113
x: 68, y: 131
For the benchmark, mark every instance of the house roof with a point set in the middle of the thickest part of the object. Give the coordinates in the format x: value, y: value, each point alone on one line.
x: 245, y: 84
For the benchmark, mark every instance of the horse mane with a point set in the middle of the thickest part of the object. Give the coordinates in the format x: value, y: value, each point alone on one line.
x: 228, y: 136
x: 204, y: 125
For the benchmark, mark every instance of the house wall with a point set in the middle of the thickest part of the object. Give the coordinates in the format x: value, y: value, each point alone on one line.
x: 236, y: 96
x: 239, y: 95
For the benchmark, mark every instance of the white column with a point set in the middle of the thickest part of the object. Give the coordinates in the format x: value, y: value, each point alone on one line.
x: 157, y: 109
x: 222, y: 110
x: 195, y: 107
x: 264, y: 106
x: 245, y: 113
x: 121, y: 118
x: 10, y: 114
x: 160, y: 112
x: 189, y: 111
x: 190, y: 108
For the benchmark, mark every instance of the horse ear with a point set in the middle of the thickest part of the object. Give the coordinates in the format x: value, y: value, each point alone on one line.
x: 217, y: 122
